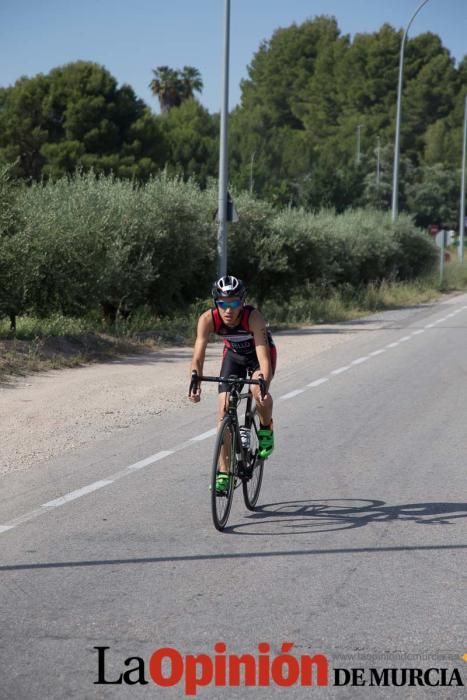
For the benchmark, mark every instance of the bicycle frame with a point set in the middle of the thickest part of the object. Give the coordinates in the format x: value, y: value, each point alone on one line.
x: 245, y: 466
x: 235, y: 396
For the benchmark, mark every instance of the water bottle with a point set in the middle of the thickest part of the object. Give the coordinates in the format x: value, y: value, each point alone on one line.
x: 245, y: 437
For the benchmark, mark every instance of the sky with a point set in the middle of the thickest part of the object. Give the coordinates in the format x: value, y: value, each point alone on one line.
x: 131, y: 37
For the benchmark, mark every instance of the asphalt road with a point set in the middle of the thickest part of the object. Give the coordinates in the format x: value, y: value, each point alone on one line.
x: 356, y: 552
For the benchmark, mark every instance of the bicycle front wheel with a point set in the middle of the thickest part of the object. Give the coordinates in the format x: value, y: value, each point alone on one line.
x: 223, y: 463
x: 252, y: 483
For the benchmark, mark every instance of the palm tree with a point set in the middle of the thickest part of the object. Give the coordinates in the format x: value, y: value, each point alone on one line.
x: 172, y: 87
x: 166, y: 86
x: 191, y: 81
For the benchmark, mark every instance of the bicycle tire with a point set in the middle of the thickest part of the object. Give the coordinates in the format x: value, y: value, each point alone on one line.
x: 221, y: 504
x: 252, y: 484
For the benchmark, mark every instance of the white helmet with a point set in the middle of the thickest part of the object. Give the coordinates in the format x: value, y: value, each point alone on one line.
x: 228, y: 286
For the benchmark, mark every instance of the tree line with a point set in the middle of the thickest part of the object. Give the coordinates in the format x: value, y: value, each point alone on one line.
x: 77, y: 116
x: 314, y: 96
x: 315, y: 126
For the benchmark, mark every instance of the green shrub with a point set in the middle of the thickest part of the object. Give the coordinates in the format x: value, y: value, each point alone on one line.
x: 88, y: 243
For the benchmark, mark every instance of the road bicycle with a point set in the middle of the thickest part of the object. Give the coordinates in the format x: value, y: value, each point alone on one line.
x: 237, y: 447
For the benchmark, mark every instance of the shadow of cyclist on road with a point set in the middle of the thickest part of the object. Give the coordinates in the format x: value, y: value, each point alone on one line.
x: 341, y: 514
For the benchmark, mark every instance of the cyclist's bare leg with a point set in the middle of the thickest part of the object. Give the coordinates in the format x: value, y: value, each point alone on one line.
x: 264, y: 410
x: 223, y: 402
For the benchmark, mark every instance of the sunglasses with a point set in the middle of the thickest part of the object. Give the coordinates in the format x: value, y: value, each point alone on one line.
x: 229, y: 304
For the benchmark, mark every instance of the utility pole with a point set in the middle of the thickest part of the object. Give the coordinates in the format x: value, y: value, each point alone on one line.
x: 252, y: 160
x: 462, y: 200
x: 223, y: 155
x: 359, y: 129
x: 378, y: 162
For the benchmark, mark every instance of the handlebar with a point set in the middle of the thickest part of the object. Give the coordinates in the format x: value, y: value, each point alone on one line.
x: 196, y: 379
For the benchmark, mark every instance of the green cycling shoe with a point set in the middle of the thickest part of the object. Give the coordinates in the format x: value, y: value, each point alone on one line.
x: 266, y: 442
x: 222, y: 483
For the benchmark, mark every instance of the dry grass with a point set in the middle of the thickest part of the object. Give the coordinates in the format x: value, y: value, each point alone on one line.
x: 57, y: 342
x: 22, y: 357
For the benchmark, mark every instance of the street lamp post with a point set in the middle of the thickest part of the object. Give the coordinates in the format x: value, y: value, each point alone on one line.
x: 462, y: 200
x: 223, y: 155
x: 395, y: 181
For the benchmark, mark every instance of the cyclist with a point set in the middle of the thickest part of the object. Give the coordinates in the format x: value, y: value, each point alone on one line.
x: 247, y: 345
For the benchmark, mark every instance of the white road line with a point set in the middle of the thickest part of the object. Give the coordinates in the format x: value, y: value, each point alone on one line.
x: 96, y: 485
x: 77, y: 494
x: 318, y: 382
x: 204, y: 436
x: 291, y: 395
x: 150, y: 460
x: 20, y: 519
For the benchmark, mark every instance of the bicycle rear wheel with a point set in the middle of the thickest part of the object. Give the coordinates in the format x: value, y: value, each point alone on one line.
x: 252, y: 483
x: 224, y: 460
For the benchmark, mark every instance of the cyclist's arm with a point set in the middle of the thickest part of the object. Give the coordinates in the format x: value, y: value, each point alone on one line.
x: 205, y: 326
x: 260, y: 334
